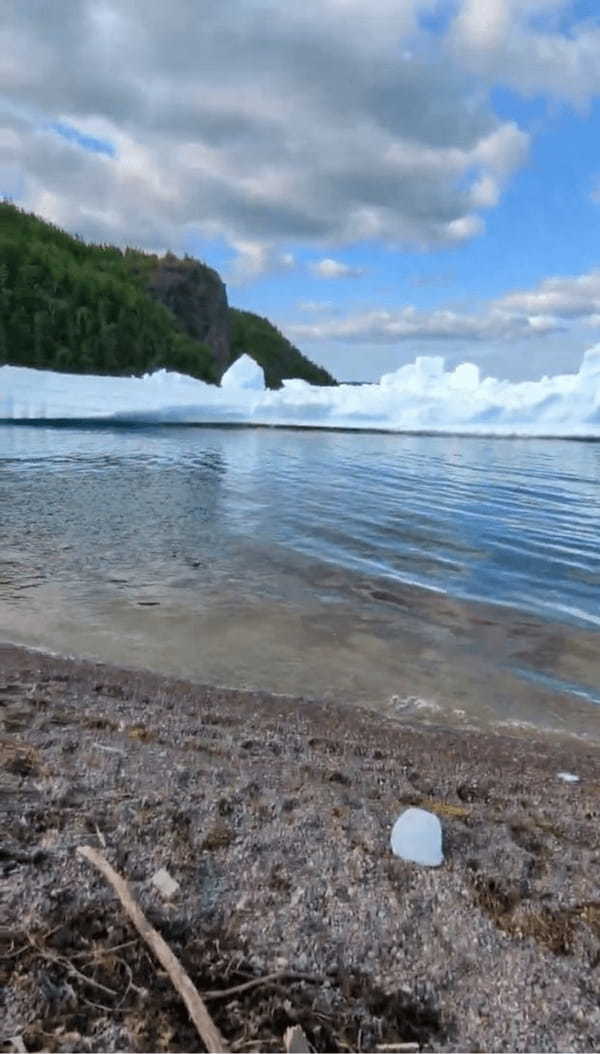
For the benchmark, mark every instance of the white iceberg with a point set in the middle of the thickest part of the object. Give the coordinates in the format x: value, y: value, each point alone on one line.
x: 417, y: 836
x: 568, y: 777
x: 244, y: 374
x: 420, y: 397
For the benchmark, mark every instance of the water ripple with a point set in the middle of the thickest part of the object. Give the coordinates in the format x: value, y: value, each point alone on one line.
x: 511, y: 522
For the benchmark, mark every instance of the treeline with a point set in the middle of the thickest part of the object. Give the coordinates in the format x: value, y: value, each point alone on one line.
x: 78, y: 308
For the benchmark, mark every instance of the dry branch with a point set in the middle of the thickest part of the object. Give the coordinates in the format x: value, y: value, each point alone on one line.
x: 50, y: 956
x: 398, y: 1048
x: 268, y: 979
x: 207, y: 1030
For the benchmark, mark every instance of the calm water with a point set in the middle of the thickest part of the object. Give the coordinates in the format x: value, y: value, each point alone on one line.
x: 288, y: 560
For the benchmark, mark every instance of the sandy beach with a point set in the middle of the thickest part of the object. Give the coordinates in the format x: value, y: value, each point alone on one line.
x: 273, y: 814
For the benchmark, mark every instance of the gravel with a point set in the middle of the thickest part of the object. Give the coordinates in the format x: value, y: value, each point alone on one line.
x: 274, y: 816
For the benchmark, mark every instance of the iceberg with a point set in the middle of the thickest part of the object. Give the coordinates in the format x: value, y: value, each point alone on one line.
x: 419, y: 397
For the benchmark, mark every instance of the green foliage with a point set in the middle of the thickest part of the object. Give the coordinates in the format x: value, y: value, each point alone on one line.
x: 279, y: 359
x: 73, y: 307
x: 78, y: 308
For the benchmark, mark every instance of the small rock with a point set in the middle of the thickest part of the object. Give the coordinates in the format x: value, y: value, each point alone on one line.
x: 164, y: 883
x: 417, y: 836
x: 295, y: 1040
x: 17, y: 1044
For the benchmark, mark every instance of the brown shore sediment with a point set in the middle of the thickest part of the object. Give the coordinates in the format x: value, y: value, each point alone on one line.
x: 274, y: 816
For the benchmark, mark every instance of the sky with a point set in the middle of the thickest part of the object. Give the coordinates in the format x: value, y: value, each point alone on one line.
x: 382, y: 180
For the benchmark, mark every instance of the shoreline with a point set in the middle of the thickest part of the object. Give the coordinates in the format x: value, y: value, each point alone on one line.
x: 405, y: 658
x: 155, y: 421
x: 423, y: 718
x: 274, y: 816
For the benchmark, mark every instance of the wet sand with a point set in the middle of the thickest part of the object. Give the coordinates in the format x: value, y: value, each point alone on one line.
x: 399, y: 650
x: 274, y: 815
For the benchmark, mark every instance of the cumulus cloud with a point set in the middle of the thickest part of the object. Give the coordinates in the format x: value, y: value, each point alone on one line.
x: 533, y: 45
x: 260, y: 123
x: 328, y: 268
x: 407, y: 323
x: 547, y: 308
x: 577, y: 296
x: 254, y: 258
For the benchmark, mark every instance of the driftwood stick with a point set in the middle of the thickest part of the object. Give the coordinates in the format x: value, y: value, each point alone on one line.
x: 207, y: 1030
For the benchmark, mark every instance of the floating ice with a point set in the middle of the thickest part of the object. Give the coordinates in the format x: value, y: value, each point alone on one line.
x: 417, y: 836
x: 245, y: 373
x: 420, y: 397
x: 568, y: 777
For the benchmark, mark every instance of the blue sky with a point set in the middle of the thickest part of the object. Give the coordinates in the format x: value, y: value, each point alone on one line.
x: 409, y: 179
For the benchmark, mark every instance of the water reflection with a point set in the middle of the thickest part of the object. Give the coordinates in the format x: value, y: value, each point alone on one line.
x: 252, y: 554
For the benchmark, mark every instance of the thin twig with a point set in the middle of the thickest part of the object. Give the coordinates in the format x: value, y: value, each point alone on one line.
x: 25, y: 947
x: 248, y: 1044
x: 101, y: 953
x: 398, y: 1048
x: 15, y: 954
x: 100, y: 836
x: 45, y: 953
x: 281, y: 975
x: 207, y: 1030
x: 101, y: 1006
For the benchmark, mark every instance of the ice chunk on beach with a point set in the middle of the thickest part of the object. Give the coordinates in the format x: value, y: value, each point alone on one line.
x: 417, y: 836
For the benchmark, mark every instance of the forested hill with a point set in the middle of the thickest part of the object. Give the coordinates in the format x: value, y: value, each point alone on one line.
x: 279, y: 359
x: 78, y: 308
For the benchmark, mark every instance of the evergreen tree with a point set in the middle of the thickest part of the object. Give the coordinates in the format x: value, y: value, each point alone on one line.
x: 68, y: 306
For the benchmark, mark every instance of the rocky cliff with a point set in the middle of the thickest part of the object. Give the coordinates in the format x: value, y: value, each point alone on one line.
x: 78, y: 308
x: 197, y: 297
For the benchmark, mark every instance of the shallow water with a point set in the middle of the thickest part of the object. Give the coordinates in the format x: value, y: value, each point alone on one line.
x: 288, y: 561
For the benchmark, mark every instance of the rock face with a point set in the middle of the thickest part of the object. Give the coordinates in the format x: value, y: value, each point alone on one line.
x: 198, y: 299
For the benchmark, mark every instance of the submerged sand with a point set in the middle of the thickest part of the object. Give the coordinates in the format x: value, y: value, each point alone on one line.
x: 274, y: 816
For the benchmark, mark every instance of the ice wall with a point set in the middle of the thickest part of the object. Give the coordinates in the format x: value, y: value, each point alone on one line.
x: 421, y: 397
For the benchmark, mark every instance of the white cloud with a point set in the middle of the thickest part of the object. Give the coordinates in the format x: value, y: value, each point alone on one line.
x: 315, y: 306
x: 549, y: 307
x: 536, y: 46
x: 483, y: 26
x: 263, y: 124
x: 254, y: 259
x: 465, y: 227
x: 328, y: 268
x: 577, y: 296
x: 485, y: 192
x: 391, y: 327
